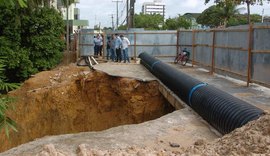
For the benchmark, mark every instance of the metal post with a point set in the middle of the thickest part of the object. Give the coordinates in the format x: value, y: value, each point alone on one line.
x: 132, y: 6
x: 213, y: 52
x: 250, y: 46
x: 127, y: 14
x: 135, y: 50
x: 193, y: 47
x: 177, y: 42
x: 117, y: 18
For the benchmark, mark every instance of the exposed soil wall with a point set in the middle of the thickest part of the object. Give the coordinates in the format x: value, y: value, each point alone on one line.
x: 71, y: 100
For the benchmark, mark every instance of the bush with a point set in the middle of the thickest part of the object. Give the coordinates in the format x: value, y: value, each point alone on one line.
x: 42, y: 32
x: 30, y: 40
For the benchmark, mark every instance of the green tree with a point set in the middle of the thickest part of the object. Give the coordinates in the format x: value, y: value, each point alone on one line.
x: 21, y: 3
x: 41, y: 36
x: 171, y: 24
x: 247, y: 2
x: 6, y: 123
x: 227, y: 10
x: 147, y: 21
x: 210, y: 17
x: 182, y: 22
x: 218, y: 14
x: 177, y: 22
x: 242, y: 19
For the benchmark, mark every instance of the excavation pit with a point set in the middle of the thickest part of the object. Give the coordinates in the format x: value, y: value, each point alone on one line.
x: 76, y: 100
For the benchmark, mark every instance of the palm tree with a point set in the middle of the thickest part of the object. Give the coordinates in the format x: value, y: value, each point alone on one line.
x: 248, y: 2
x: 228, y: 9
x: 6, y: 123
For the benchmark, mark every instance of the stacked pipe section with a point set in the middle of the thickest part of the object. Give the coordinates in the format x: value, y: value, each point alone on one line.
x: 220, y: 109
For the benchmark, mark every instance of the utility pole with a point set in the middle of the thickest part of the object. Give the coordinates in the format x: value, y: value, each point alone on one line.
x: 127, y: 14
x: 262, y: 15
x: 117, y: 18
x: 132, y: 8
x: 112, y: 22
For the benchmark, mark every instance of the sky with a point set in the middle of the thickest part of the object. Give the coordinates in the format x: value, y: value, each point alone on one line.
x: 101, y: 11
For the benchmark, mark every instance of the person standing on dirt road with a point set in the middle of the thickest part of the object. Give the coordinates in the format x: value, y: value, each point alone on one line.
x: 118, y: 43
x: 125, y: 44
x: 108, y: 48
x: 97, y: 42
x: 112, y: 50
x: 101, y: 45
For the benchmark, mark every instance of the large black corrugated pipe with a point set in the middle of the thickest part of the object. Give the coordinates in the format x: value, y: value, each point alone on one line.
x: 221, y: 110
x: 178, y: 82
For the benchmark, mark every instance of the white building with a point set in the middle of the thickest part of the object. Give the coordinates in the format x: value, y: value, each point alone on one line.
x: 155, y: 7
x: 75, y: 22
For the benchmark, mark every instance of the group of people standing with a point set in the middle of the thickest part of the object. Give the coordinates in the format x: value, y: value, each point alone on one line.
x: 117, y: 48
x: 98, y: 45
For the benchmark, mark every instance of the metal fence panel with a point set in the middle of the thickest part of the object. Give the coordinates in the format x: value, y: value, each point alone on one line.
x: 156, y: 38
x: 204, y: 37
x: 203, y: 55
x: 261, y: 39
x: 261, y: 61
x: 86, y: 40
x: 232, y: 39
x: 261, y: 67
x: 185, y: 38
x: 157, y: 50
x: 230, y: 49
x: 232, y: 60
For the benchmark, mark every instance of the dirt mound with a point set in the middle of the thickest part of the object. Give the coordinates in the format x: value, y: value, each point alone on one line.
x: 251, y: 139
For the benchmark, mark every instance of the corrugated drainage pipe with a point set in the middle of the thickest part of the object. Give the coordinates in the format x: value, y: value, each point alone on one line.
x: 220, y: 109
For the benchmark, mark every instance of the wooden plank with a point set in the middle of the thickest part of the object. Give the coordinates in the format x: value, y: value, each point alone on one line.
x: 260, y: 51
x: 213, y: 52
x: 250, y: 45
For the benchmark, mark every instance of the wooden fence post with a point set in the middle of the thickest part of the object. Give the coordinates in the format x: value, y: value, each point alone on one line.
x: 213, y: 52
x: 177, y: 42
x: 193, y: 47
x: 250, y: 46
x: 135, y: 52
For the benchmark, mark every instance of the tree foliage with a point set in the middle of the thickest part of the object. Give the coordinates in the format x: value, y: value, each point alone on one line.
x: 177, y: 22
x: 6, y: 122
x: 210, y: 17
x: 30, y: 40
x: 237, y: 2
x: 218, y: 15
x: 21, y: 3
x: 41, y: 36
x: 147, y: 21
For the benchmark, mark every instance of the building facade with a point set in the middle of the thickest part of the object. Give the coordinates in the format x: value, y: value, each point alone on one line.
x: 155, y: 7
x: 75, y: 23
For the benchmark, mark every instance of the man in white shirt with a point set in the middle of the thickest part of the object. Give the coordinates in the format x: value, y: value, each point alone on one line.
x: 125, y: 44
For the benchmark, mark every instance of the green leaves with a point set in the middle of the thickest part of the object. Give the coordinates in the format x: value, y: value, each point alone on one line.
x: 22, y: 3
x: 6, y: 123
x: 12, y: 3
x: 42, y: 33
x: 149, y: 22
